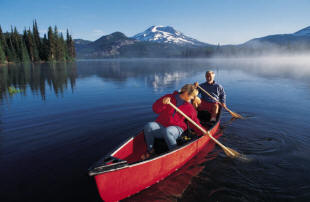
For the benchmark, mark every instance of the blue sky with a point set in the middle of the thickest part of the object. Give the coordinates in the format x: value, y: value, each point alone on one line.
x: 211, y: 21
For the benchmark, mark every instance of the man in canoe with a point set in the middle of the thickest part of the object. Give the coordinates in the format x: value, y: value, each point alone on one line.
x: 216, y: 91
x: 169, y: 124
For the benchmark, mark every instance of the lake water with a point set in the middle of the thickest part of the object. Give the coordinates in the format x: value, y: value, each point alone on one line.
x: 67, y: 116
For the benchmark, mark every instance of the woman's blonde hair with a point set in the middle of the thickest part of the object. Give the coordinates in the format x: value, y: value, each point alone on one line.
x: 190, y: 89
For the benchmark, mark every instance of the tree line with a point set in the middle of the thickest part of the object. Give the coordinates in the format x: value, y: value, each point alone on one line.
x: 30, y: 47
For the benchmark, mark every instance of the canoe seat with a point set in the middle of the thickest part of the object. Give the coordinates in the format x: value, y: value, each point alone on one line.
x: 204, y: 116
x: 160, y: 146
x: 187, y: 136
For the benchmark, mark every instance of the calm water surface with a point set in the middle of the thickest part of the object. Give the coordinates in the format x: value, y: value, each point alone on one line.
x: 67, y: 116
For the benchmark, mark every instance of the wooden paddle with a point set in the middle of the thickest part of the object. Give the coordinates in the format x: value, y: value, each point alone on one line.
x: 234, y: 114
x: 228, y: 151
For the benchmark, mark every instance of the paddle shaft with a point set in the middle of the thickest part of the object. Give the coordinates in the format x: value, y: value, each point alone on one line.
x: 213, y: 98
x: 200, y: 128
x: 231, y: 112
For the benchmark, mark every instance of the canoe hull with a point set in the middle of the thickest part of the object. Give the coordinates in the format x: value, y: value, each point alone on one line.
x: 123, y: 182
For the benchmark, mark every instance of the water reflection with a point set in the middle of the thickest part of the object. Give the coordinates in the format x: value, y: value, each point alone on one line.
x: 157, y: 74
x: 160, y: 72
x: 158, y: 80
x: 56, y: 76
x: 121, y: 70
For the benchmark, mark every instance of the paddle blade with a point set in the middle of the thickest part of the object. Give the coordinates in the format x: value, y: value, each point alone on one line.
x: 234, y: 154
x: 231, y: 153
x: 236, y: 115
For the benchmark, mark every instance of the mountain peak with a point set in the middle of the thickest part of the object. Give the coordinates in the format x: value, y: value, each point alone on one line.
x: 303, y: 32
x: 160, y: 28
x: 166, y: 34
x: 113, y: 37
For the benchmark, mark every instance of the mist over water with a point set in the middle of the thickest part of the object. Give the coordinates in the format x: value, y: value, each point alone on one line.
x: 67, y: 116
x: 274, y: 65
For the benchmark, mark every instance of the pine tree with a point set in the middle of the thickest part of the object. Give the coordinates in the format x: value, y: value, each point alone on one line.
x: 51, y: 44
x: 56, y: 43
x: 20, y: 47
x: 11, y: 56
x: 37, y: 41
x: 45, y: 48
x: 2, y: 55
x: 11, y: 52
x: 1, y: 35
x: 36, y: 53
x: 70, y: 47
x: 15, y: 37
x: 24, y: 56
x: 3, y: 43
x: 61, y: 48
x: 2, y: 48
x: 29, y: 43
x: 25, y: 34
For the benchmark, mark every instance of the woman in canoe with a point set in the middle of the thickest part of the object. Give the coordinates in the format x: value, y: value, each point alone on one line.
x: 169, y: 124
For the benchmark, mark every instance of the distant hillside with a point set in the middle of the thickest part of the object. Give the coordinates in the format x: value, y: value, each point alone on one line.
x: 104, y: 47
x: 159, y: 41
x: 81, y: 42
x: 280, y: 43
x: 119, y: 45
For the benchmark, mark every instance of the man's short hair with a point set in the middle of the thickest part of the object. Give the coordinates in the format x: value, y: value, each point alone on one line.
x: 210, y: 71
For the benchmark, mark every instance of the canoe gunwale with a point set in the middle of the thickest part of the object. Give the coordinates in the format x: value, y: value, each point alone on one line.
x: 95, y: 168
x: 102, y: 166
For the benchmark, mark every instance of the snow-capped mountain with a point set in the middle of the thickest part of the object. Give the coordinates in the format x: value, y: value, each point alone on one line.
x: 303, y: 32
x: 166, y: 34
x: 295, y: 40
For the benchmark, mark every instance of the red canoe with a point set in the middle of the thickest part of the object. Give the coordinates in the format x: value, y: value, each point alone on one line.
x: 122, y: 173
